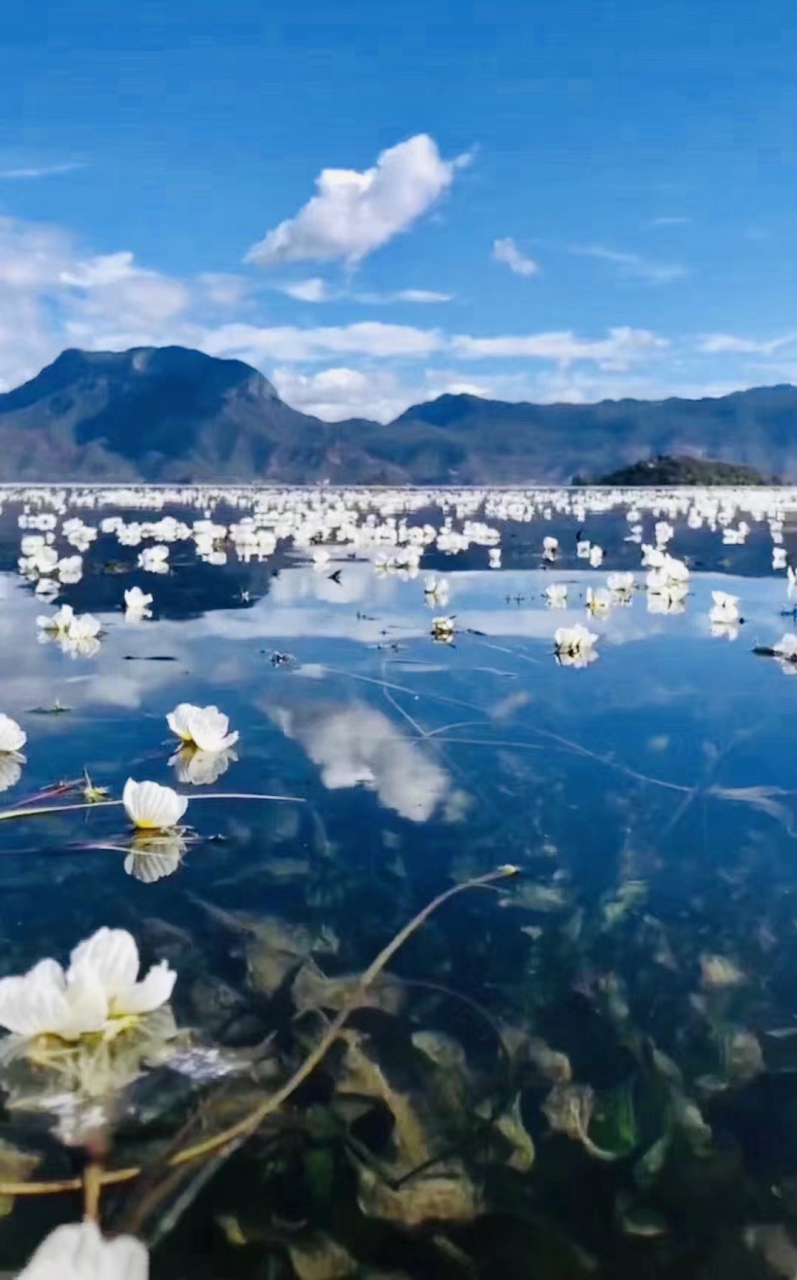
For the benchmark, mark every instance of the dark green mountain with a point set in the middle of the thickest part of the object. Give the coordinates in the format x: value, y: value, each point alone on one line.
x: 172, y: 414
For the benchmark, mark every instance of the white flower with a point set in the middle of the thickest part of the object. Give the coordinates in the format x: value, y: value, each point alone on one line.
x: 598, y: 602
x: 725, y: 610
x: 59, y: 623
x: 494, y: 557
x: 556, y: 595
x: 154, y: 559
x: 10, y: 769
x: 550, y: 547
x: 443, y: 629
x: 77, y: 1251
x: 206, y: 727
x: 663, y: 532
x: 786, y: 647
x: 575, y: 646
x: 12, y: 736
x: 152, y: 807
x: 652, y: 557
x: 137, y: 603
x: 620, y: 583
x: 321, y: 558
x: 596, y: 556
x: 778, y: 557
x: 70, y: 569
x: 583, y: 549
x: 99, y: 989
x: 201, y: 768
x: 435, y: 591
x: 84, y: 626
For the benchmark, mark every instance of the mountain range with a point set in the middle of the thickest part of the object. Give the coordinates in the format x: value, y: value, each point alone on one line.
x: 175, y: 415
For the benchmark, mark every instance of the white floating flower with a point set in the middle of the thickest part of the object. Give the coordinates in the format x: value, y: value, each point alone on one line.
x: 583, y: 549
x: 201, y: 768
x: 786, y: 648
x: 99, y: 992
x: 12, y: 736
x: 435, y: 591
x: 10, y: 769
x: 154, y: 559
x: 596, y: 556
x: 620, y: 583
x: 664, y: 532
x: 70, y: 570
x: 77, y: 1251
x: 206, y: 727
x: 598, y: 601
x: 151, y: 807
x: 725, y: 609
x: 137, y: 603
x: 778, y: 557
x: 575, y: 646
x: 321, y: 558
x: 443, y: 629
x: 550, y: 548
x: 59, y: 623
x: 556, y: 595
x: 494, y: 557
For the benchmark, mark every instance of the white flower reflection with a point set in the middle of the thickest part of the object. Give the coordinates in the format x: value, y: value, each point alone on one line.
x: 356, y: 745
x: 79, y: 1252
x: 154, y: 857
x: 201, y: 768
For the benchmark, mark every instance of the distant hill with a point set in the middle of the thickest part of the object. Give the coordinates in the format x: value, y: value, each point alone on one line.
x: 679, y: 471
x: 176, y: 415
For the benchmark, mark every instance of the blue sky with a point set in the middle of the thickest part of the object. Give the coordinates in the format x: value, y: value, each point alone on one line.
x: 565, y: 200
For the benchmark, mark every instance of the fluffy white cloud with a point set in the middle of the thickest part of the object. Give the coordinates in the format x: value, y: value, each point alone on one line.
x: 634, y: 264
x: 618, y: 350
x: 507, y: 252
x: 354, y: 213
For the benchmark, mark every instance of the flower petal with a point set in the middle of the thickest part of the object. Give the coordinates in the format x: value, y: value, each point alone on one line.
x: 149, y: 994
x: 110, y: 957
x: 77, y: 1251
x: 35, y: 1003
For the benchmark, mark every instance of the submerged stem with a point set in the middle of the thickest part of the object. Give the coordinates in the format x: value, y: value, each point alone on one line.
x: 242, y: 1129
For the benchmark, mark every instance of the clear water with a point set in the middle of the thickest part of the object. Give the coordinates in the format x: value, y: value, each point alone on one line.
x: 648, y: 950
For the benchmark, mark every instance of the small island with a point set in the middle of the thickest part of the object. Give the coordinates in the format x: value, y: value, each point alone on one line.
x: 678, y: 470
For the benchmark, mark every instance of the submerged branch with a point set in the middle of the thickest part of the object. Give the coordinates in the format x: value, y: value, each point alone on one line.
x: 244, y: 1128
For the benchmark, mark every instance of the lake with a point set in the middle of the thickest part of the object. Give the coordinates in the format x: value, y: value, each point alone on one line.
x: 587, y: 1065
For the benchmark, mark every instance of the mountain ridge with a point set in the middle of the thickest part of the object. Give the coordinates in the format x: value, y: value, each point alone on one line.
x: 174, y: 414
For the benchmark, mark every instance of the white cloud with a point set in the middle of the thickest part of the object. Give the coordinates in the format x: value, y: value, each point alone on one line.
x: 507, y: 252
x: 314, y: 290
x: 354, y: 213
x: 288, y: 342
x: 422, y: 296
x: 40, y: 171
x: 729, y: 343
x: 634, y: 264
x: 621, y: 347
